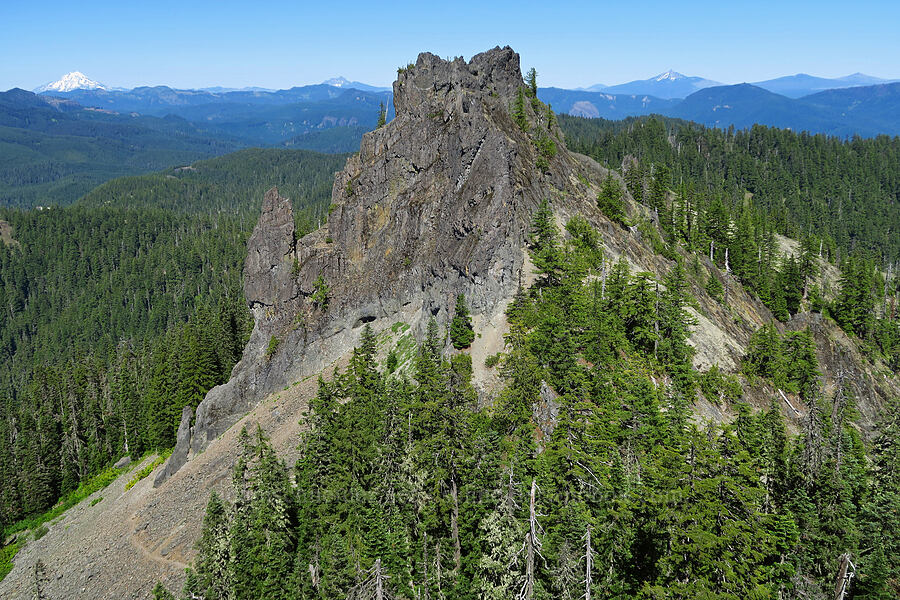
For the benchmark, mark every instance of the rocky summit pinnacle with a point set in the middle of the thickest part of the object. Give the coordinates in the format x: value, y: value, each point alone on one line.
x: 435, y: 204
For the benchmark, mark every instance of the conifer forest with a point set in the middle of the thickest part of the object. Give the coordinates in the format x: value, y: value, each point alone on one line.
x: 117, y: 316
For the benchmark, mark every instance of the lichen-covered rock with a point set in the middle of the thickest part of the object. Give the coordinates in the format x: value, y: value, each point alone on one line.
x: 545, y: 412
x: 271, y: 292
x: 270, y: 254
x: 437, y: 203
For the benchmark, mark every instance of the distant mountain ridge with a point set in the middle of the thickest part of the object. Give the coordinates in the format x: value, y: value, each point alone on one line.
x: 76, y: 81
x: 343, y: 83
x: 52, y: 150
x: 801, y: 84
x: 865, y: 111
x: 668, y: 85
x: 674, y: 85
x: 859, y: 110
x: 583, y: 103
x: 256, y: 117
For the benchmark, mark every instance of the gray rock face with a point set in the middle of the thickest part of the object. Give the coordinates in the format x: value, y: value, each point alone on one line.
x: 438, y: 202
x: 270, y: 253
x: 271, y: 291
x: 182, y: 446
x: 545, y: 411
x: 122, y: 462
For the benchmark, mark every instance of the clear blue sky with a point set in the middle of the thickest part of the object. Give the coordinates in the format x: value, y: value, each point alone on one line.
x: 195, y: 43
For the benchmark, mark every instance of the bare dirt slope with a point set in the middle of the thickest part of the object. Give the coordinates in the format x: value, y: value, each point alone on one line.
x: 121, y: 546
x: 6, y: 234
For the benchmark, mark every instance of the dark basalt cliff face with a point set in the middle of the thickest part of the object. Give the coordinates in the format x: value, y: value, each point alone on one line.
x: 436, y: 203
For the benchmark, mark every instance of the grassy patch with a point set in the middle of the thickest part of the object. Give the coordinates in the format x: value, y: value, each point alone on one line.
x: 272, y: 347
x: 651, y: 234
x: 6, y: 556
x: 96, y: 500
x: 149, y: 468
x: 399, y: 326
x: 95, y: 483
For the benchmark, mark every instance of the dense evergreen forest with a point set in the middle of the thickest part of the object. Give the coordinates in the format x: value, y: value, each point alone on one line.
x: 51, y: 153
x: 123, y: 308
x: 406, y: 488
x: 845, y: 194
x: 726, y: 194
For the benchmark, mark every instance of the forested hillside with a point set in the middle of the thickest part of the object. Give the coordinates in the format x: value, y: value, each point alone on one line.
x: 726, y: 194
x: 844, y: 194
x: 407, y: 488
x: 588, y: 475
x: 53, y: 152
x: 123, y: 308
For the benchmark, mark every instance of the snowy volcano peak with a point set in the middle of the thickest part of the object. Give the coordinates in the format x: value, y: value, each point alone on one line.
x: 344, y: 83
x: 669, y: 75
x: 337, y: 82
x: 76, y: 80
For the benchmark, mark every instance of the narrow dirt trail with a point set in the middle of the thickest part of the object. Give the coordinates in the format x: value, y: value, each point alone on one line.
x: 152, y: 555
x: 126, y: 542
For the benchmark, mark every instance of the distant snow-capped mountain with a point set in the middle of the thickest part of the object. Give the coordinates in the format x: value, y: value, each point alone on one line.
x: 668, y: 85
x: 337, y: 82
x: 76, y: 80
x: 343, y: 82
x: 670, y: 75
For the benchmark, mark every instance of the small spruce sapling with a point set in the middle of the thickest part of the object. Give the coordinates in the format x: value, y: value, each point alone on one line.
x: 609, y: 200
x: 461, y: 333
x: 714, y: 287
x: 531, y: 79
x: 382, y: 116
x: 320, y: 293
x: 161, y: 593
x: 518, y: 112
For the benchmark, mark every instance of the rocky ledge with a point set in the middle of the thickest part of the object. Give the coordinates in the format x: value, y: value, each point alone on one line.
x: 436, y: 203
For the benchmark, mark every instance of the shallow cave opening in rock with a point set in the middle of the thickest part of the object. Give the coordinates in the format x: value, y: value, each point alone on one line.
x: 363, y: 320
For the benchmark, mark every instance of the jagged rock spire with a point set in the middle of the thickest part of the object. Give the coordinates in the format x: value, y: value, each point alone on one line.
x: 437, y: 203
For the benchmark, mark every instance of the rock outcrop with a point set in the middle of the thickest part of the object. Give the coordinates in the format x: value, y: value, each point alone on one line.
x: 182, y: 447
x: 437, y: 203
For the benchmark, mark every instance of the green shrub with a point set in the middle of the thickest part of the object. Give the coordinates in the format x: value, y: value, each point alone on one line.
x: 651, y: 234
x: 39, y: 532
x: 714, y: 287
x: 96, y: 500
x: 320, y: 293
x: 493, y: 360
x: 461, y: 333
x: 6, y: 556
x: 148, y: 469
x: 392, y: 360
x: 272, y: 347
x: 461, y: 364
x: 545, y: 145
x: 610, y: 199
x: 714, y: 384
